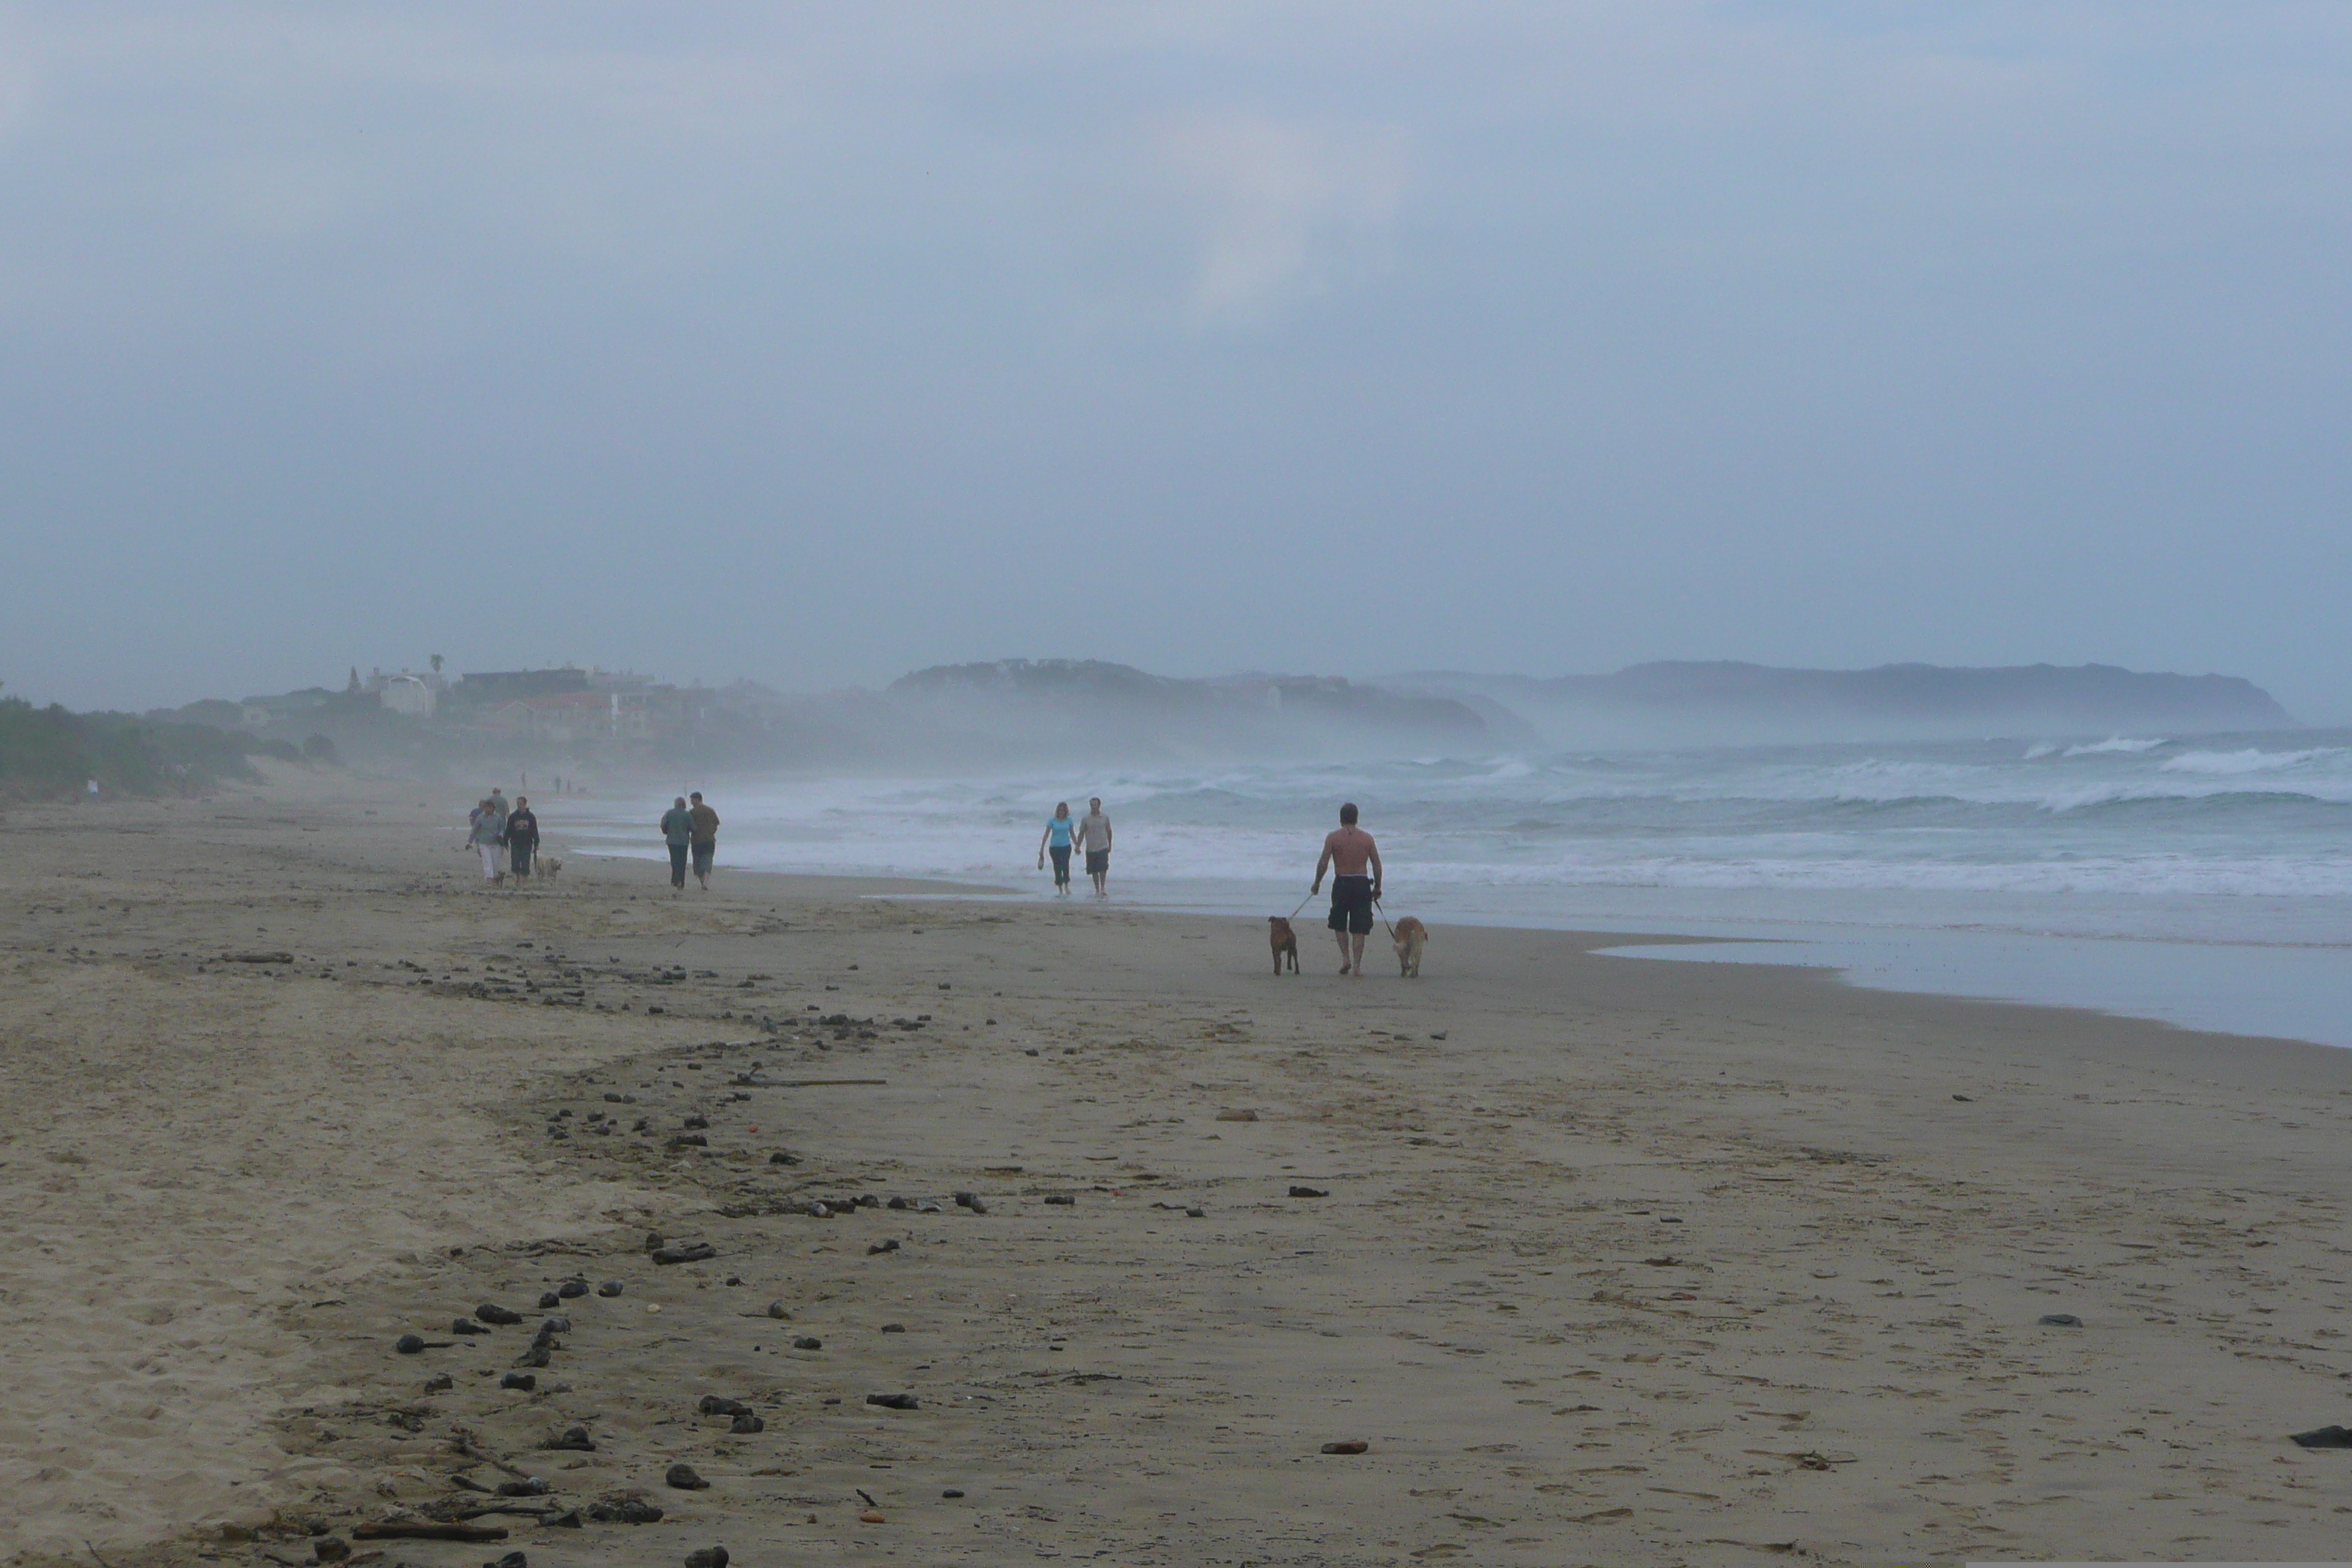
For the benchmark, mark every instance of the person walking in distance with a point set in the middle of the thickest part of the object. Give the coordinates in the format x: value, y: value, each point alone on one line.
x: 1094, y: 837
x: 1058, y: 829
x: 522, y: 838
x: 677, y: 832
x: 1347, y: 850
x: 706, y: 838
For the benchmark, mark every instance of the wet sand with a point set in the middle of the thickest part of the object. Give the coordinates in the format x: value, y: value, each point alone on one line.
x: 1618, y: 1261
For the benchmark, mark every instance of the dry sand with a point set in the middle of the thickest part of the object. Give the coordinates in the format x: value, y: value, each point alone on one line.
x: 1637, y: 1262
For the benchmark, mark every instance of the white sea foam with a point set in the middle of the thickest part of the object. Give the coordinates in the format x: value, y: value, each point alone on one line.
x: 2249, y: 761
x: 2114, y: 743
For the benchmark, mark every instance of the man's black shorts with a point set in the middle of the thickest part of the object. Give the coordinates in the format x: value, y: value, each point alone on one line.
x: 1097, y: 862
x: 1351, y: 904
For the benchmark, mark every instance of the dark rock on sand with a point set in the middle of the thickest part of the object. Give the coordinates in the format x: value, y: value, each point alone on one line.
x: 465, y: 1326
x: 689, y: 1141
x: 808, y: 1342
x: 511, y: 1560
x: 624, y: 1511
x: 695, y: 1123
x: 1352, y: 1446
x: 898, y: 1203
x: 574, y: 1439
x: 717, y: 1405
x: 609, y: 1288
x: 1299, y: 1192
x: 684, y: 1479
x: 747, y: 1424
x: 2322, y: 1437
x: 1064, y: 1199
x: 654, y: 1239
x: 894, y: 1400
x: 491, y: 1312
x: 331, y: 1548
x: 572, y: 1290
x: 409, y: 1344
x: 521, y: 1380
x: 439, y: 1383
x: 547, y: 1299
x: 953, y: 1491
x: 709, y: 1557
x: 894, y: 1328
x: 2060, y: 1321
x: 888, y: 1244
x: 687, y: 1252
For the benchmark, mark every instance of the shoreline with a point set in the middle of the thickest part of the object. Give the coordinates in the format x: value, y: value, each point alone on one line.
x: 1659, y: 1261
x: 2138, y: 978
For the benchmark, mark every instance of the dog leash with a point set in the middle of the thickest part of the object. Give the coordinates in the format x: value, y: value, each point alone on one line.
x: 1384, y: 920
x: 1302, y: 904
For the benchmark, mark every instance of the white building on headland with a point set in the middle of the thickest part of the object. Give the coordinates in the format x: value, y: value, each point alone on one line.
x: 410, y: 694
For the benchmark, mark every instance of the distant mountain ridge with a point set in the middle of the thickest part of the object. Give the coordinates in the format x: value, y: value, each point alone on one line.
x: 1683, y: 702
x: 1092, y: 706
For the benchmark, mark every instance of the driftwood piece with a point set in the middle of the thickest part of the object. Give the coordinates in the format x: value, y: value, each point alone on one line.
x: 418, y: 1530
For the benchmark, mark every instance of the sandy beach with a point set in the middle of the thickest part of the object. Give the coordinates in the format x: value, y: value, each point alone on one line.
x: 1606, y: 1262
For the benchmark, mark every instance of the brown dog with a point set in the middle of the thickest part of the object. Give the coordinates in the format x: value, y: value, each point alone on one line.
x: 1283, y: 940
x: 1410, y: 935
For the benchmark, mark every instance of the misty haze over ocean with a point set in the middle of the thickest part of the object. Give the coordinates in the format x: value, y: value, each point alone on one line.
x: 1378, y: 378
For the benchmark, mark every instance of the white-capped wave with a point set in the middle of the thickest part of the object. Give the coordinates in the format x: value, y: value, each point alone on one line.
x: 2114, y: 743
x: 2249, y: 761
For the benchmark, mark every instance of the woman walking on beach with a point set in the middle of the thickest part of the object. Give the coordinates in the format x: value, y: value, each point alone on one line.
x: 677, y: 832
x: 488, y: 836
x: 1057, y: 839
x: 523, y: 837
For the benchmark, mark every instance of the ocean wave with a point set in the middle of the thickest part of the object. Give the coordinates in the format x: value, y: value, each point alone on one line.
x: 2112, y: 745
x: 2249, y: 761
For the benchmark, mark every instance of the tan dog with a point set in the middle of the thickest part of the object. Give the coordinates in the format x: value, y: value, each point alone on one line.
x: 548, y: 867
x: 1283, y: 940
x: 1411, y: 936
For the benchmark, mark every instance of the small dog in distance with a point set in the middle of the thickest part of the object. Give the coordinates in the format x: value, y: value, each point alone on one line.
x: 1283, y: 941
x: 547, y: 866
x: 1411, y: 936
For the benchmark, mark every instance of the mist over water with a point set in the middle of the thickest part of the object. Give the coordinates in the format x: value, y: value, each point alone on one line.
x: 2205, y: 881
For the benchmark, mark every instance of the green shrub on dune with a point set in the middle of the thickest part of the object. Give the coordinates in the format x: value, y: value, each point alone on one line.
x: 49, y: 752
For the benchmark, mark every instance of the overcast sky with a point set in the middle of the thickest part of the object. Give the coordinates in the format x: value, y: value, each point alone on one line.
x: 814, y: 344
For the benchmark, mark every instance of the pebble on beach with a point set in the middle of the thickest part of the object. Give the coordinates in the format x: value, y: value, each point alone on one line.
x: 684, y: 1479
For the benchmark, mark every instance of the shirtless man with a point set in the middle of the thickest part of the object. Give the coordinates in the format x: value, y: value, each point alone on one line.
x: 1346, y: 852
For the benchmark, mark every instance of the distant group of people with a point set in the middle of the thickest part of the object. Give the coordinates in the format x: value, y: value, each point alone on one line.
x: 691, y: 830
x: 1089, y: 834
x: 506, y: 836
